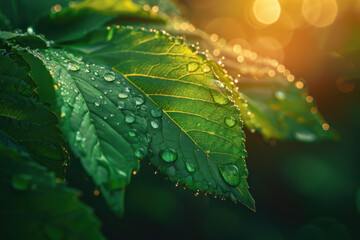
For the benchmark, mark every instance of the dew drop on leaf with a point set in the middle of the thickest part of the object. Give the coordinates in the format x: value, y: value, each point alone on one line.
x: 21, y: 181
x: 140, y: 153
x: 205, y: 68
x: 156, y: 112
x: 230, y: 121
x: 139, y: 100
x: 231, y: 174
x: 109, y: 76
x: 190, y: 167
x: 130, y: 118
x: 121, y: 105
x: 97, y: 103
x: 148, y: 137
x: 168, y: 155
x: 132, y: 134
x: 154, y: 124
x: 305, y: 136
x: 219, y: 98
x: 193, y: 66
x: 280, y: 95
x: 123, y: 95
x: 73, y: 67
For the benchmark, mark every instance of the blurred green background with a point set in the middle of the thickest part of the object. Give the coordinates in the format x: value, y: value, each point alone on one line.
x: 302, y: 191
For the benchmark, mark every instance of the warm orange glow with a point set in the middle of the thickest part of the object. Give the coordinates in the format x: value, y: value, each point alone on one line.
x: 320, y: 13
x: 267, y: 11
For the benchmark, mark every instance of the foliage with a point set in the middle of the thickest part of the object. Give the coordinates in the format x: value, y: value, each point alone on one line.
x: 121, y: 90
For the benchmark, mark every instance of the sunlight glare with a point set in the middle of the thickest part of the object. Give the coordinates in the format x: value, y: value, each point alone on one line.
x: 267, y: 11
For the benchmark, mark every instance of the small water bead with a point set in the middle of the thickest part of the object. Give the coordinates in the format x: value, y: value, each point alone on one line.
x: 205, y: 68
x: 140, y: 153
x: 78, y: 136
x: 96, y: 73
x: 156, y: 112
x: 219, y: 97
x: 148, y: 137
x: 231, y: 174
x: 87, y: 70
x: 21, y: 181
x: 139, y: 100
x: 123, y: 95
x: 168, y: 155
x: 109, y: 76
x: 193, y: 66
x: 155, y: 124
x: 73, y: 67
x: 132, y: 134
x: 127, y: 89
x: 130, y: 118
x: 97, y: 103
x: 190, y: 167
x: 280, y: 95
x: 305, y: 136
x: 121, y: 105
x: 230, y: 121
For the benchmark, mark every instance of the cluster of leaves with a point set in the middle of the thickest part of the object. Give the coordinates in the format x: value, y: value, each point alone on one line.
x: 114, y: 88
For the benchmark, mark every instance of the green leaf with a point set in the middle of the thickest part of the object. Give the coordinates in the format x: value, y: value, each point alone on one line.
x: 271, y: 99
x: 107, y: 132
x: 167, y: 7
x: 26, y: 121
x: 23, y: 13
x: 198, y: 140
x: 33, y: 204
x: 79, y: 19
x: 26, y: 45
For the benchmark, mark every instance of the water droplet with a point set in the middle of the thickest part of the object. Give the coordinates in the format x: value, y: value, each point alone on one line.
x: 73, y: 67
x: 205, y: 68
x: 97, y: 103
x: 305, y: 136
x: 230, y: 121
x: 168, y: 155
x: 130, y: 118
x: 140, y: 153
x: 138, y: 100
x: 109, y: 76
x: 121, y: 105
x: 78, y: 136
x: 193, y: 66
x: 123, y: 94
x: 21, y: 181
x: 280, y: 95
x: 132, y: 134
x: 96, y: 73
x: 231, y: 174
x: 148, y: 137
x: 190, y: 167
x: 156, y: 112
x: 219, y: 97
x: 155, y: 124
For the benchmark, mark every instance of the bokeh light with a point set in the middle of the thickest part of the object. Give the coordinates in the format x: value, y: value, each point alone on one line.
x: 320, y: 13
x: 267, y: 11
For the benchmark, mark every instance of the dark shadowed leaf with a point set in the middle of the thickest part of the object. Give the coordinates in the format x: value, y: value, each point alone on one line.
x: 34, y: 205
x: 24, y: 120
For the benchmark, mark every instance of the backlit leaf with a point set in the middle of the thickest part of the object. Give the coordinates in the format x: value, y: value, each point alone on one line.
x: 200, y: 142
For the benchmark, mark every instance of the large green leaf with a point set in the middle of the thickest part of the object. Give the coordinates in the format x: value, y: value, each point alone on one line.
x: 271, y: 99
x: 79, y: 19
x: 198, y: 140
x: 106, y: 131
x: 23, y: 13
x: 26, y: 121
x: 33, y: 205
